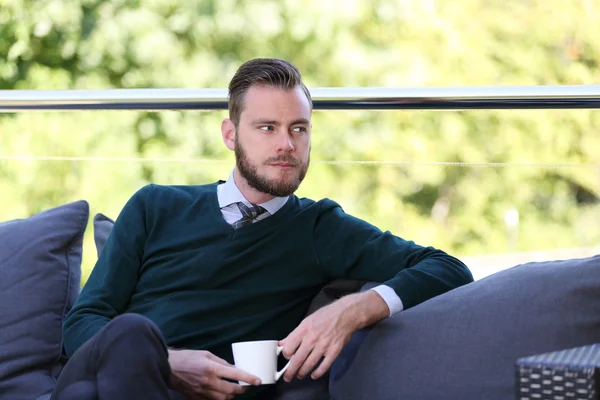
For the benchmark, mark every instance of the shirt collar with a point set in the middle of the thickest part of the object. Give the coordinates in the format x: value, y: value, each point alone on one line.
x: 228, y: 193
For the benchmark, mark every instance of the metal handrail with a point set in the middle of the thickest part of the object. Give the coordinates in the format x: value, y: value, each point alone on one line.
x: 427, y: 98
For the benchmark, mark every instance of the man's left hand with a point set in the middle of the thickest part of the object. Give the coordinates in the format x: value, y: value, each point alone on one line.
x: 323, y: 334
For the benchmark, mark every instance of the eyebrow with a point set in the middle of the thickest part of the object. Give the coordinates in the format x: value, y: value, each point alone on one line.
x: 300, y: 121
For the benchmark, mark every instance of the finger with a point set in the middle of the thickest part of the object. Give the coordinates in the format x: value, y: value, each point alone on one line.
x: 236, y: 374
x: 217, y: 359
x: 292, y: 342
x: 324, y: 367
x: 222, y: 386
x: 299, y: 358
x: 313, y: 359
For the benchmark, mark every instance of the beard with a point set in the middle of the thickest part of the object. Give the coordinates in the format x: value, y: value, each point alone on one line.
x: 263, y: 184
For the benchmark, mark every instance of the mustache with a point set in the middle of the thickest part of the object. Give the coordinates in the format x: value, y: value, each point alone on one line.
x: 283, y: 159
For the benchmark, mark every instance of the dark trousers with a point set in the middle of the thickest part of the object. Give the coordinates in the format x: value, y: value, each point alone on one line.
x: 126, y: 360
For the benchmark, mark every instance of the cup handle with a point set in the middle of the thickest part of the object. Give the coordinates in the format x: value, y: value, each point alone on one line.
x: 279, y: 374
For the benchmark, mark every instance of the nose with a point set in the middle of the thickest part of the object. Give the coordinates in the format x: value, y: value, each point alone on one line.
x: 285, y: 143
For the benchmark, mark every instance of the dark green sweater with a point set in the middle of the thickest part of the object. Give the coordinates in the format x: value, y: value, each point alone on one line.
x: 172, y: 257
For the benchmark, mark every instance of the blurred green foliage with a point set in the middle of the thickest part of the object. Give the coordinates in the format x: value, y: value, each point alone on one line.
x: 97, y: 44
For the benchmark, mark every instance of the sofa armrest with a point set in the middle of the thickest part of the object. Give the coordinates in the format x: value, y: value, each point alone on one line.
x: 565, y: 374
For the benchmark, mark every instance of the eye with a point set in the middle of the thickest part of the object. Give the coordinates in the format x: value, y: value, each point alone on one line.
x: 266, y: 128
x: 301, y: 129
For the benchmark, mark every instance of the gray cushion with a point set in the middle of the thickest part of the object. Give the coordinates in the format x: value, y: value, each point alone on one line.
x: 102, y: 228
x: 40, y: 271
x: 464, y: 344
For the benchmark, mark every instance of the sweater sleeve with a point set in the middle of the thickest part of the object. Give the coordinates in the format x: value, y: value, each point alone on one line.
x: 112, y: 282
x: 348, y: 247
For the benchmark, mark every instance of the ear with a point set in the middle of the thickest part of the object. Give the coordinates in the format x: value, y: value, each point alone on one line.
x: 228, y: 133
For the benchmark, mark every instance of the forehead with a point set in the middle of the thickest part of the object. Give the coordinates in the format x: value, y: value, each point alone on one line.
x: 268, y: 102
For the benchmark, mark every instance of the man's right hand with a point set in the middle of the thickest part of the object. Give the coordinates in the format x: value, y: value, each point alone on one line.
x: 200, y: 374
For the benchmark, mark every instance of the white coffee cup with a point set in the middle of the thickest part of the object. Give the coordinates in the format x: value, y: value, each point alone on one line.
x: 259, y: 358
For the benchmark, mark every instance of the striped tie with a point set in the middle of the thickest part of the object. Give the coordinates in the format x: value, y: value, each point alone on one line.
x: 249, y: 214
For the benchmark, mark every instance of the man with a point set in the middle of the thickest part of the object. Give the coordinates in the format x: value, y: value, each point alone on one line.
x: 189, y: 270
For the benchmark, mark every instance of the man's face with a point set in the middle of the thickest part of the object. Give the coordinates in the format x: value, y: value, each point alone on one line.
x: 272, y: 141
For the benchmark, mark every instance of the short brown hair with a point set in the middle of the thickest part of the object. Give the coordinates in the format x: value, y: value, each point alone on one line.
x: 262, y: 71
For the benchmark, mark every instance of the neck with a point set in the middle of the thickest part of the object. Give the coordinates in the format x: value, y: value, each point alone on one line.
x: 251, y: 194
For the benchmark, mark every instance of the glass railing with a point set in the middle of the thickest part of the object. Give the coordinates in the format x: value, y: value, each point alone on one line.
x: 431, y: 168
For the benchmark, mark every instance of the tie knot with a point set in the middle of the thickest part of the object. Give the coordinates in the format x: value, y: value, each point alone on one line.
x: 250, y: 212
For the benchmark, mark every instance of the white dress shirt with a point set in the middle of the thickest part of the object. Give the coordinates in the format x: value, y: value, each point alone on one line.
x: 229, y: 194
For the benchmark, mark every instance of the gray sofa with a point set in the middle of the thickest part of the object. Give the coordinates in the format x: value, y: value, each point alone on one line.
x: 461, y: 345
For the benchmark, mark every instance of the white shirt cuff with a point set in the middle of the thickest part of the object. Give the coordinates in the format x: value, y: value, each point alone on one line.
x: 390, y: 297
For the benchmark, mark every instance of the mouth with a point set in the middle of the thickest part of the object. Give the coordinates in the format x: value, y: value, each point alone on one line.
x: 283, y: 165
